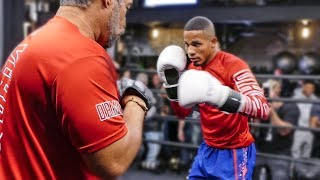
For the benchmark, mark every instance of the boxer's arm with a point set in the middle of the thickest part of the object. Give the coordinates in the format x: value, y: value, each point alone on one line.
x: 179, y: 111
x: 255, y: 103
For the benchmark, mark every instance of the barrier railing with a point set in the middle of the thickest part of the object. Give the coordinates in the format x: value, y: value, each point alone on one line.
x: 282, y: 157
x: 258, y: 76
x: 315, y: 162
x: 197, y: 121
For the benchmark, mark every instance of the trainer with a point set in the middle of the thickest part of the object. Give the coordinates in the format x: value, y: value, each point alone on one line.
x: 62, y: 116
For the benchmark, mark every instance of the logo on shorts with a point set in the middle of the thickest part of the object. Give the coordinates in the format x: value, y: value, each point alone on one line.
x: 108, y: 109
x: 243, y: 165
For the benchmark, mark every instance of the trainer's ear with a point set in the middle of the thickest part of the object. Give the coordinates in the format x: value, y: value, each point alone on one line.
x: 107, y: 3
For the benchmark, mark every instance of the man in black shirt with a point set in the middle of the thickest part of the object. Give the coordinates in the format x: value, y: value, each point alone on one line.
x: 277, y: 141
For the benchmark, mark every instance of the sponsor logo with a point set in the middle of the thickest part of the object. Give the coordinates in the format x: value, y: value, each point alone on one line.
x: 243, y: 166
x: 108, y: 109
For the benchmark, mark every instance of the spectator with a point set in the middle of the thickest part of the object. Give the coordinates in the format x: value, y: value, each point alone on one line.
x: 156, y: 82
x: 189, y: 133
x: 171, y: 153
x: 277, y: 140
x: 126, y: 74
x: 315, y: 123
x: 303, y: 140
x: 151, y: 131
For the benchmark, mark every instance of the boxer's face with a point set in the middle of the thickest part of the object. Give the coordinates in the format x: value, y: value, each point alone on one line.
x: 199, y: 47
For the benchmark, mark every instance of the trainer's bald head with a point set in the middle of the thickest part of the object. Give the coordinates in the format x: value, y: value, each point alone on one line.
x: 79, y: 3
x: 200, y: 23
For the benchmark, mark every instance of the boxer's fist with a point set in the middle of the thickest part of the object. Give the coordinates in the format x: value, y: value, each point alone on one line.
x: 197, y: 87
x: 171, y: 62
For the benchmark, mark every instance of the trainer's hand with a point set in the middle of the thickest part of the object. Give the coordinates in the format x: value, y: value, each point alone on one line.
x: 128, y: 87
x: 201, y: 87
x: 171, y: 62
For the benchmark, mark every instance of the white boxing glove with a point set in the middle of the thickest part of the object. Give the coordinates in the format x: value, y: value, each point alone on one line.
x: 197, y: 87
x: 171, y: 62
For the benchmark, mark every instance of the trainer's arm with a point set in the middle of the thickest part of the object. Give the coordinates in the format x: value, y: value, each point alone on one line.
x: 113, y: 160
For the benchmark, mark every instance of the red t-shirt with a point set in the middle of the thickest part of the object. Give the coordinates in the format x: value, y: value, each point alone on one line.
x: 220, y: 129
x: 58, y: 99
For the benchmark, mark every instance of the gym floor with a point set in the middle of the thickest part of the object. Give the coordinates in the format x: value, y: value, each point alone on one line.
x: 136, y: 174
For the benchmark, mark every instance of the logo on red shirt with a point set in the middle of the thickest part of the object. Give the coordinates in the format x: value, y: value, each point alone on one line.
x: 108, y: 109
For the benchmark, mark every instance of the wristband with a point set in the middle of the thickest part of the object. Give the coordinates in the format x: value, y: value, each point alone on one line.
x: 144, y: 108
x: 232, y: 103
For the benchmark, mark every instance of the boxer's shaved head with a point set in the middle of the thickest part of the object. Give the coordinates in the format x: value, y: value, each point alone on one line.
x: 200, y: 23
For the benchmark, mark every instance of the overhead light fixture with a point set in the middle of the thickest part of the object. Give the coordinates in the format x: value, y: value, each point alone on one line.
x: 305, y: 32
x: 305, y: 22
x: 155, y: 33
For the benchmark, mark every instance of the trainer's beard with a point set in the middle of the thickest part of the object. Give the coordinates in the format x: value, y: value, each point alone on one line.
x: 114, y: 27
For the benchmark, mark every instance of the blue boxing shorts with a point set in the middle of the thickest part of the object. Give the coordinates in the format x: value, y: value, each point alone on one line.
x: 223, y: 164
